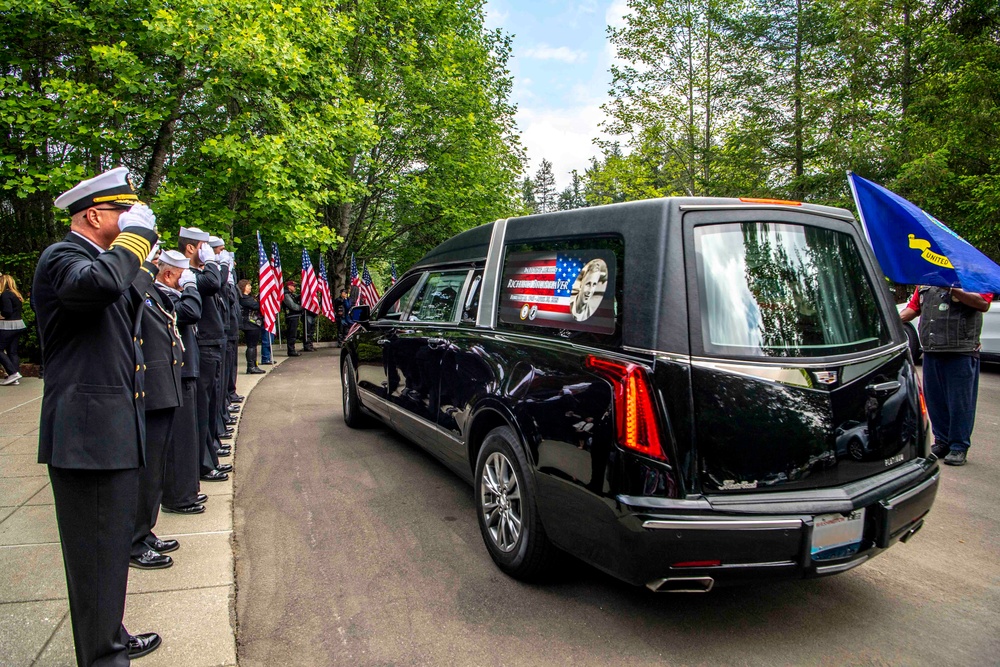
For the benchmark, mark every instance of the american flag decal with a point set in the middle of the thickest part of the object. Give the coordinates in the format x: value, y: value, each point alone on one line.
x: 573, y: 290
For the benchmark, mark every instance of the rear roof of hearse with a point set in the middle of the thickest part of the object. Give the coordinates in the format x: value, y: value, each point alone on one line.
x: 654, y: 312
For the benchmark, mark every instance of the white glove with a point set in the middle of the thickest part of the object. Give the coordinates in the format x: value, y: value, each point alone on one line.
x: 154, y: 252
x: 187, y: 278
x: 206, y: 254
x: 139, y: 215
x: 226, y: 257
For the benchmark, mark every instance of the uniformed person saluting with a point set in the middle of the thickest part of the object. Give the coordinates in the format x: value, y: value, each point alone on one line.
x: 88, y: 292
x: 163, y: 353
x: 180, y: 480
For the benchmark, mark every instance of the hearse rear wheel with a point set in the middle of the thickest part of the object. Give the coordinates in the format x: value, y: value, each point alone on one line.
x: 506, y: 509
x: 353, y: 416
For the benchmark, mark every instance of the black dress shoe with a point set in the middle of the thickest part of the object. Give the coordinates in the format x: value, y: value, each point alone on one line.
x: 163, y: 546
x: 236, y: 398
x: 230, y: 421
x: 255, y: 371
x: 214, y: 476
x: 228, y: 436
x: 295, y: 354
x: 187, y: 509
x: 140, y: 645
x: 234, y: 408
x: 224, y: 467
x: 150, y: 561
x: 228, y: 431
x: 224, y: 452
x: 201, y: 498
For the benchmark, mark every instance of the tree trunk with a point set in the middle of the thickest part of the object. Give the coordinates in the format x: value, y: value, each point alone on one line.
x: 797, y: 130
x: 164, y: 138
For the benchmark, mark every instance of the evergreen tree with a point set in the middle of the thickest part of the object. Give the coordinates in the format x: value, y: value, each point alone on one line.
x: 545, y: 188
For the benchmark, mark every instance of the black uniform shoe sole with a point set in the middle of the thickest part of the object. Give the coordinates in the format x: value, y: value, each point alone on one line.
x: 190, y: 509
x: 152, y: 646
x: 221, y: 477
x: 159, y: 566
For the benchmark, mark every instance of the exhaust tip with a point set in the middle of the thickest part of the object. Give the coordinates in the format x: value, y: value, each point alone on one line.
x: 681, y: 585
x: 911, y: 532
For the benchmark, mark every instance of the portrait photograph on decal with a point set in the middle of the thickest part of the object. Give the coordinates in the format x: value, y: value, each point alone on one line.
x: 588, y: 290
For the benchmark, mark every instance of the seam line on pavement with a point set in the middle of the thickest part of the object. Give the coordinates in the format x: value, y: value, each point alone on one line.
x: 27, y: 500
x: 49, y: 640
x: 164, y: 590
x: 36, y: 398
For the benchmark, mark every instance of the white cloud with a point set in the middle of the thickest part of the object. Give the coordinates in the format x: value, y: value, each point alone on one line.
x: 563, y: 136
x: 616, y: 12
x: 496, y: 16
x: 561, y: 53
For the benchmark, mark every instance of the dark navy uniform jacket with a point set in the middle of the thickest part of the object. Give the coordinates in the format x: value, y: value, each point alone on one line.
x: 188, y: 309
x: 233, y: 304
x: 163, y: 352
x: 211, y: 326
x: 89, y: 313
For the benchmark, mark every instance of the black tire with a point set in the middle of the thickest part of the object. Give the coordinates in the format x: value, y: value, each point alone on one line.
x: 528, y: 555
x: 913, y: 340
x: 353, y: 416
x: 856, y: 449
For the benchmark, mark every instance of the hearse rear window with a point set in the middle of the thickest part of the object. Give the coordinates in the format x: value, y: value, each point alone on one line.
x: 571, y: 287
x: 784, y: 290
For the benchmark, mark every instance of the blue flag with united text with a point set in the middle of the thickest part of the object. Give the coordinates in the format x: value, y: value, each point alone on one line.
x: 915, y: 248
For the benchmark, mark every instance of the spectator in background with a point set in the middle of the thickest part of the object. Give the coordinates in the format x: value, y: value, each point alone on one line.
x: 250, y: 322
x: 342, y: 309
x: 11, y: 328
x: 951, y: 321
x: 293, y: 313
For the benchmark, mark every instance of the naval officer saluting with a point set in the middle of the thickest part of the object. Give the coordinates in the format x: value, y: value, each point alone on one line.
x: 88, y: 297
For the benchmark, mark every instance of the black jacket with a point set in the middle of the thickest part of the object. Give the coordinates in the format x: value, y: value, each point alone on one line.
x: 293, y: 306
x: 188, y: 309
x: 211, y: 326
x: 89, y: 314
x: 11, y: 308
x: 163, y: 352
x: 251, y: 309
x: 235, y: 312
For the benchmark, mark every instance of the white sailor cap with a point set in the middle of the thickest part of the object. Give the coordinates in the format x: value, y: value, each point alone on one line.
x: 175, y: 259
x: 194, y: 234
x: 112, y: 187
x: 215, y: 241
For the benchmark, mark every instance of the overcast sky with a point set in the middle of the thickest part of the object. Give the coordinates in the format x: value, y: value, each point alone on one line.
x: 560, y: 64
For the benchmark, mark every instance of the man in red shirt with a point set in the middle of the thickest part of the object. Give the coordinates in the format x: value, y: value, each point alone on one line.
x: 951, y: 321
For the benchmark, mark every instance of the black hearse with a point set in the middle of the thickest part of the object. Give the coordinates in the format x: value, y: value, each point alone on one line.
x: 660, y: 388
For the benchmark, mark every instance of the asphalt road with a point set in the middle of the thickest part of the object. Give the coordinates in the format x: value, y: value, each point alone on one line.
x: 356, y: 548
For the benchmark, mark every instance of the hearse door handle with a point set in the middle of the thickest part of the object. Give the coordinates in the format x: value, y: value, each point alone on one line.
x: 436, y: 343
x: 883, y: 389
x: 383, y: 341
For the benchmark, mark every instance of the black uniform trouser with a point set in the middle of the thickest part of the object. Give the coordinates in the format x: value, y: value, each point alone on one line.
x: 209, y: 374
x: 293, y: 331
x: 233, y: 366
x: 159, y: 424
x: 95, y: 511
x: 180, y: 477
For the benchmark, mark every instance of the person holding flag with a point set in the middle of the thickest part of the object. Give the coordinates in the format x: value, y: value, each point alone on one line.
x: 268, y: 336
x: 325, y: 298
x: 956, y: 286
x: 270, y: 298
x: 310, y: 302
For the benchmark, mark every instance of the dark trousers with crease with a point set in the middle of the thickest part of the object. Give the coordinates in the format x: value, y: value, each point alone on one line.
x: 209, y: 374
x: 233, y: 368
x: 180, y: 477
x: 159, y: 424
x: 95, y: 512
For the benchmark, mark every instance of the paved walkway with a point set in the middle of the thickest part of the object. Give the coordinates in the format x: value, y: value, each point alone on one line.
x: 189, y: 604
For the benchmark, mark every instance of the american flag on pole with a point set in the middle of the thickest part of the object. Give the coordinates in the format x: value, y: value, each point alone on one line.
x: 368, y: 291
x: 392, y: 273
x: 278, y: 275
x: 269, y: 295
x: 325, y: 300
x: 310, y: 285
x: 355, y: 278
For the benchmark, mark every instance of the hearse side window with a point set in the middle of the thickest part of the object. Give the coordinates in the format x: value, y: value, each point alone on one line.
x: 567, y: 288
x: 784, y: 290
x: 471, y: 307
x: 438, y: 298
x: 398, y: 298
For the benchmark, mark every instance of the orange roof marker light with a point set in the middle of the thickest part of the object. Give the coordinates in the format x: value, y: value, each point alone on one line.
x: 762, y: 200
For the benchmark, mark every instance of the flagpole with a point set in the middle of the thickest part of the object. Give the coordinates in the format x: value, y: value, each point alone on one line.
x: 857, y: 204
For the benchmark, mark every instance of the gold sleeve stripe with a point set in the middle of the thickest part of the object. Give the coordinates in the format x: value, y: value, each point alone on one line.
x: 148, y: 271
x: 131, y: 245
x: 143, y: 243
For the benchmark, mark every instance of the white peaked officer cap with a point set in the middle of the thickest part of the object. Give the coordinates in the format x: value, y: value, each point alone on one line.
x: 194, y: 234
x: 112, y: 187
x: 174, y: 259
x: 215, y: 241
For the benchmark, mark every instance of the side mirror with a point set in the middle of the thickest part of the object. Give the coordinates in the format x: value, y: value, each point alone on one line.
x: 361, y: 314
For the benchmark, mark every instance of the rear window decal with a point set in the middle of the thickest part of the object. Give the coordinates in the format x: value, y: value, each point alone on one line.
x: 566, y: 290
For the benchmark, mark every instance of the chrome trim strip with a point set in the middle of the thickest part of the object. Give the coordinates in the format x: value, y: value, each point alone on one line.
x: 582, y: 349
x: 714, y: 361
x: 409, y: 415
x: 890, y: 503
x: 742, y: 524
x: 753, y: 206
x: 840, y: 567
x: 737, y: 566
x: 486, y: 317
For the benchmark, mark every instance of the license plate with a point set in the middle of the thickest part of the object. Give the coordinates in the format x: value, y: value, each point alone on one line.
x: 836, y: 535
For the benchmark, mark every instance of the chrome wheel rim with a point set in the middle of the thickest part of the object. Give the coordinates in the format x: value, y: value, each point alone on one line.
x: 347, y: 390
x: 500, y: 501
